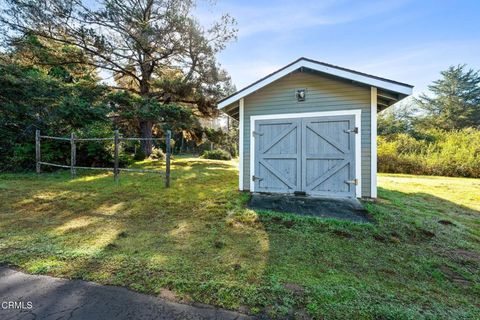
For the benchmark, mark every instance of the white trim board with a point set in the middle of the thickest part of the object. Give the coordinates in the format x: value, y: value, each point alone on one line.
x: 365, y: 79
x: 240, y: 143
x: 373, y: 142
x: 358, y: 141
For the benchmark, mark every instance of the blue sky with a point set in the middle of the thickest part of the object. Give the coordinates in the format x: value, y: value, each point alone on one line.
x: 409, y: 41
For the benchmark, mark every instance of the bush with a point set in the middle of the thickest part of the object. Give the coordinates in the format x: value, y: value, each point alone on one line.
x: 224, y: 140
x: 217, y: 154
x: 139, y: 155
x: 157, y: 154
x: 432, y: 152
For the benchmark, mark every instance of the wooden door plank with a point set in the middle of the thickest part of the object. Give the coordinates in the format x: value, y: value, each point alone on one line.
x: 328, y: 139
x: 279, y: 137
x: 277, y: 174
x: 327, y: 174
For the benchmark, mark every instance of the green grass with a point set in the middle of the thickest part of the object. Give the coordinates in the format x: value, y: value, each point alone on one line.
x: 420, y: 259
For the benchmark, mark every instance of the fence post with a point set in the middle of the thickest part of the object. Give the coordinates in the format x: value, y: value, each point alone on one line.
x: 38, y: 156
x: 115, y: 154
x: 167, y: 159
x: 73, y: 156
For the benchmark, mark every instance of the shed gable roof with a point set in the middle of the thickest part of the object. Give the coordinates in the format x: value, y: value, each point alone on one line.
x: 402, y: 89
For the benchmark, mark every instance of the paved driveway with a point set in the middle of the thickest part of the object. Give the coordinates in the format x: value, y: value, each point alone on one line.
x: 52, y: 298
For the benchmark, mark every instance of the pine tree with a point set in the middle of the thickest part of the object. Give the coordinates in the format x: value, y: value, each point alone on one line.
x: 455, y: 100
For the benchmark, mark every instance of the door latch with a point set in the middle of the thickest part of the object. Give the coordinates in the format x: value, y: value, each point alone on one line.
x: 254, y: 178
x: 256, y: 133
x: 355, y: 130
x: 354, y: 181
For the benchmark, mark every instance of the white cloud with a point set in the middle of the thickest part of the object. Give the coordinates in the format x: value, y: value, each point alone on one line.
x: 285, y: 16
x: 420, y: 65
x: 268, y: 35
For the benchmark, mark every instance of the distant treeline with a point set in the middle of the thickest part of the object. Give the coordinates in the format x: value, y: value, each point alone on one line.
x: 435, y: 134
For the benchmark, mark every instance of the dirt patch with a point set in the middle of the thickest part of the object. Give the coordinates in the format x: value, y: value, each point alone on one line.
x: 426, y: 233
x: 467, y: 255
x: 446, y: 223
x: 379, y: 237
x: 453, y: 276
x: 168, y: 295
x: 243, y: 309
x: 382, y: 201
x: 301, y: 315
x: 387, y: 271
x: 294, y: 288
x: 279, y: 220
x: 289, y: 223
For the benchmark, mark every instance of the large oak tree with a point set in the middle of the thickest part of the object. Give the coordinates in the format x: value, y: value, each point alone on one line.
x: 154, y: 48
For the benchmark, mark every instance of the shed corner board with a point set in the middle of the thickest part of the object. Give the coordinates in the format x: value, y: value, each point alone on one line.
x: 240, y: 144
x: 373, y: 142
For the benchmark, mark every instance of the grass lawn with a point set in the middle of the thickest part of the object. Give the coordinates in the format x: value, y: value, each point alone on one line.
x: 197, y: 242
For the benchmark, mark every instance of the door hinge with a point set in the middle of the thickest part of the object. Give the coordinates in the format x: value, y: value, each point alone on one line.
x: 354, y: 181
x: 355, y: 130
x: 256, y: 178
x: 256, y: 133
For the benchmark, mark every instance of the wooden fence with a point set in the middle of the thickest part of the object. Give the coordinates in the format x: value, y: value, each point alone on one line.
x: 116, y: 169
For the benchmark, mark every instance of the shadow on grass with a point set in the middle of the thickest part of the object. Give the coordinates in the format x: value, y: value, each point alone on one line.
x: 136, y: 234
x: 198, y: 240
x: 425, y: 208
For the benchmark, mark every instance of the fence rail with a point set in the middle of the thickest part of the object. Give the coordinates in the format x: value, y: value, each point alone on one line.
x: 116, y: 168
x: 100, y: 139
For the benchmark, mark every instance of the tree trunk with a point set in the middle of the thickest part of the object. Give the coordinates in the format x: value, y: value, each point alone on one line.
x: 146, y: 132
x: 145, y: 125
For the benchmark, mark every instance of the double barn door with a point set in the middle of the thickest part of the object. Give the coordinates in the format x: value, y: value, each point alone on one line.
x: 315, y: 156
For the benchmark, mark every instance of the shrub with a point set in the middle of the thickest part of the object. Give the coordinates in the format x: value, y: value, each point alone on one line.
x: 157, y: 154
x: 94, y: 153
x: 139, y: 155
x: 217, y: 154
x: 224, y: 140
x: 23, y: 156
x: 432, y: 152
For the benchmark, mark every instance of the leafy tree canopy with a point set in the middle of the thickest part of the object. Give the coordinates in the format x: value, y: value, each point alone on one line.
x: 127, y: 109
x: 32, y: 98
x: 396, y: 119
x: 52, y: 58
x: 153, y: 48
